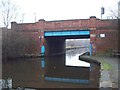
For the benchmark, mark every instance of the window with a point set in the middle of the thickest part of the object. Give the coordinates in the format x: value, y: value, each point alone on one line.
x: 102, y: 35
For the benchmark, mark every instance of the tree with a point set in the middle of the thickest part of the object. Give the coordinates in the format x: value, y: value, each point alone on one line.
x: 115, y: 13
x: 8, y: 12
x: 119, y: 9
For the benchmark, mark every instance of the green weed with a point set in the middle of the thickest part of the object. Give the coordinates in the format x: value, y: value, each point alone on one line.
x: 105, y: 65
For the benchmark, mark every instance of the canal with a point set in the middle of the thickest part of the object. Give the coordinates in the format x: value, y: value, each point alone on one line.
x: 78, y: 47
x: 27, y: 72
x: 72, y: 57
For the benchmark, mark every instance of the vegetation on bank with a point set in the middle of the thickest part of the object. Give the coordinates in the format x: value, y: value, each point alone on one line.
x: 105, y: 65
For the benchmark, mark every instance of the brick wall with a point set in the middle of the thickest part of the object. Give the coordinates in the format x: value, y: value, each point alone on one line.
x: 97, y: 27
x: 107, y: 43
x: 17, y: 44
x: 95, y: 75
x: 0, y: 53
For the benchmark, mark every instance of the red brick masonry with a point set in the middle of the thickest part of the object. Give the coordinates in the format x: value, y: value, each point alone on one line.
x: 103, y: 32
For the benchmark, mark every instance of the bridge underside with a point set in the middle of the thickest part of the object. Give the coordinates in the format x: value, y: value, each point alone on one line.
x: 55, y: 49
x: 55, y: 40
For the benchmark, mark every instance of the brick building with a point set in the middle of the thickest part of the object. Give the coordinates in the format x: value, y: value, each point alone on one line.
x: 103, y: 32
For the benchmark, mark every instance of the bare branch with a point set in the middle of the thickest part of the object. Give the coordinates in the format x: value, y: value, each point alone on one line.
x: 114, y: 14
x: 114, y: 11
x: 8, y: 12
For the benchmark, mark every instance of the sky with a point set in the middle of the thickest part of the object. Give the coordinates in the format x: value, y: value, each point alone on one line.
x: 32, y: 10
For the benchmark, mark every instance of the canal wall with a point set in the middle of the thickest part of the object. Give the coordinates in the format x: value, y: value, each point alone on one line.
x: 95, y: 67
x: 0, y: 53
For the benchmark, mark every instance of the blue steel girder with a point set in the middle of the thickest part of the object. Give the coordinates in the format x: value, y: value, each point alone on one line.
x: 67, y: 33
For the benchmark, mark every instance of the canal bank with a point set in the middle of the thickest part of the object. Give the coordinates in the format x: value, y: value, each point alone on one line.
x: 109, y: 71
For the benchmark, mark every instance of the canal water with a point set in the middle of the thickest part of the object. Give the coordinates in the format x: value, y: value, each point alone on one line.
x: 27, y: 72
x: 72, y: 57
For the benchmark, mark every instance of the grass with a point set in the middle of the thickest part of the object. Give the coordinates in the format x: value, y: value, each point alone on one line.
x: 105, y: 65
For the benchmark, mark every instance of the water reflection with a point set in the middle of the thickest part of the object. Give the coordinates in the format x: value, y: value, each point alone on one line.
x: 72, y: 57
x: 75, y: 47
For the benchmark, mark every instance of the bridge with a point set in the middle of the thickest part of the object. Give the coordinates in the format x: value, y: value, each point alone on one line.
x: 54, y: 64
x: 100, y: 31
x: 52, y: 36
x: 49, y: 37
x: 57, y: 39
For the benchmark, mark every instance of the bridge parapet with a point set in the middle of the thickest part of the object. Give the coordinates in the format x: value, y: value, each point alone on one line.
x: 92, y: 23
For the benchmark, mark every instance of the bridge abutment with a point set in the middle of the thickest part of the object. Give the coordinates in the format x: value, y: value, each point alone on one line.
x: 51, y: 43
x: 55, y: 57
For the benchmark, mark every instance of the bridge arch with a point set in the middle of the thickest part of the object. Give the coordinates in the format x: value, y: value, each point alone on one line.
x: 55, y: 56
x: 55, y: 40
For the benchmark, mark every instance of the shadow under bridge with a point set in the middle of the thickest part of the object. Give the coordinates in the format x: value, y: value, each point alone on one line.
x: 55, y: 69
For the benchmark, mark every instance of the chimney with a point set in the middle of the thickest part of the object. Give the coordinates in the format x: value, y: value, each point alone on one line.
x: 13, y: 25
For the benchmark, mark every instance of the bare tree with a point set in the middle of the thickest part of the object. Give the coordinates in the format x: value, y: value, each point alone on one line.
x: 8, y: 12
x: 114, y: 13
x: 119, y: 9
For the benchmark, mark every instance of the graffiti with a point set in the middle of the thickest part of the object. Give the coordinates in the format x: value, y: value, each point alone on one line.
x: 6, y: 83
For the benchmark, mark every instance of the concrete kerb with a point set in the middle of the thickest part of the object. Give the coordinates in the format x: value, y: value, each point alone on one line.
x: 105, y: 81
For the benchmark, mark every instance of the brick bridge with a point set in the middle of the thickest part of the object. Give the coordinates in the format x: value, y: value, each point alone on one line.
x: 103, y: 33
x: 29, y: 38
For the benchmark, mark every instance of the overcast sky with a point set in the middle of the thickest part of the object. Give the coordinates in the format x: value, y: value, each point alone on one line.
x: 62, y: 9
